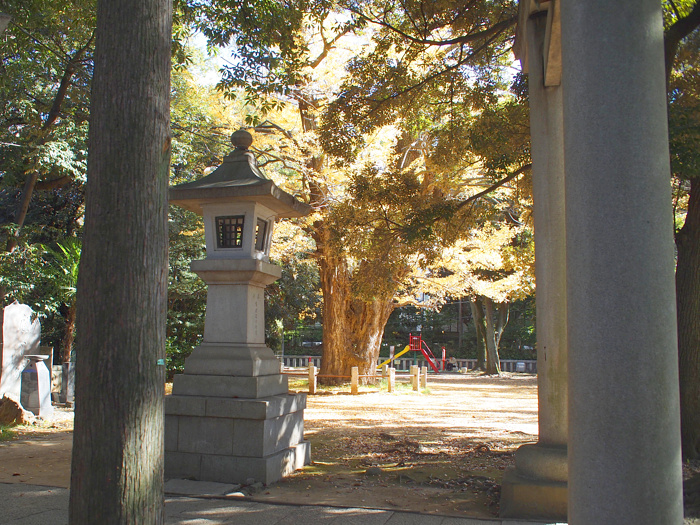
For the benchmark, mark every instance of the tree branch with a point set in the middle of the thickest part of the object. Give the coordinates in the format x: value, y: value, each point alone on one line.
x: 435, y: 75
x: 52, y: 184
x: 328, y: 45
x: 673, y: 36
x: 68, y: 73
x: 465, y: 39
x: 495, y: 186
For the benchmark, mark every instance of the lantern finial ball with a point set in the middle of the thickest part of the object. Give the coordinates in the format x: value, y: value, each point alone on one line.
x: 242, y: 139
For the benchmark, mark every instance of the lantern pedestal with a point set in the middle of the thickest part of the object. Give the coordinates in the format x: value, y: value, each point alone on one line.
x: 230, y: 418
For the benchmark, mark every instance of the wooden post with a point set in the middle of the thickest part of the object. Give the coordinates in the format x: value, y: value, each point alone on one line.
x: 414, y: 377
x: 312, y: 379
x: 392, y: 379
x: 424, y: 377
x: 355, y: 378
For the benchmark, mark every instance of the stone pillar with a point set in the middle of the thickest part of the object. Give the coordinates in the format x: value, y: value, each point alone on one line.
x: 536, y: 487
x: 624, y: 425
x: 20, y: 337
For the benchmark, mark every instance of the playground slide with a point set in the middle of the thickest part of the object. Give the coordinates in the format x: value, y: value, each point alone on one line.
x: 402, y: 352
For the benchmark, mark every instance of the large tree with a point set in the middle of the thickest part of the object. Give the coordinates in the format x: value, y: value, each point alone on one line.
x: 117, y: 467
x: 411, y: 68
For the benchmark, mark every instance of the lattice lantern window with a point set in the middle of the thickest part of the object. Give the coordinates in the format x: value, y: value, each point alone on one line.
x: 229, y: 231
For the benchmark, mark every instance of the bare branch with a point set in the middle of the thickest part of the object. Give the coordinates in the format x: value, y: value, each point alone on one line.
x: 437, y: 74
x: 53, y: 184
x: 465, y: 39
x: 495, y: 186
x: 328, y: 45
x: 676, y: 33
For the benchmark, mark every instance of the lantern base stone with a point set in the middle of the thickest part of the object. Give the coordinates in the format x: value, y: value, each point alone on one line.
x: 231, y: 440
x: 536, y: 488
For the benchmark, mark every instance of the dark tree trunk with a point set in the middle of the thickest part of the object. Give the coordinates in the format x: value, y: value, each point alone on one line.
x: 480, y: 325
x: 490, y: 320
x: 494, y: 330
x: 68, y: 334
x: 22, y: 209
x: 117, y: 468
x: 688, y: 305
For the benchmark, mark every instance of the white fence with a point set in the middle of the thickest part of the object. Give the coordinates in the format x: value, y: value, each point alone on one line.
x: 528, y: 366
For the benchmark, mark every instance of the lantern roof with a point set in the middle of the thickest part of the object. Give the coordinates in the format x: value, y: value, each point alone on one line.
x: 237, y: 179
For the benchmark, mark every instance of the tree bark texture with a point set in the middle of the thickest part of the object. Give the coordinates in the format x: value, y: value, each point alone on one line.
x: 688, y: 308
x: 117, y: 467
x: 352, y: 328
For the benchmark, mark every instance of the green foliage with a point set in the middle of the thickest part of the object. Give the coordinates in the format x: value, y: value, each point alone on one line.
x: 673, y: 10
x: 7, y: 433
x: 64, y: 261
x: 43, y: 277
x: 684, y: 110
x: 294, y: 301
x: 268, y: 54
x: 44, y: 89
x: 186, y: 291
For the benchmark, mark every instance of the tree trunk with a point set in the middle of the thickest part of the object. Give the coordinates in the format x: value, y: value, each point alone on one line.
x: 68, y: 334
x: 366, y: 321
x: 352, y: 328
x: 493, y: 337
x: 460, y: 327
x: 117, y: 467
x: 22, y: 209
x: 480, y: 325
x: 335, y: 287
x: 501, y: 321
x: 688, y: 306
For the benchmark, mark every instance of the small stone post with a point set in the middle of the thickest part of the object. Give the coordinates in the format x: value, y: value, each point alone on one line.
x: 385, y: 371
x: 392, y: 379
x: 424, y: 377
x: 414, y: 377
x: 312, y: 379
x: 354, y: 380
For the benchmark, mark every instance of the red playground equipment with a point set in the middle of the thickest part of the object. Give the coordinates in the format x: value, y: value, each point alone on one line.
x: 416, y: 344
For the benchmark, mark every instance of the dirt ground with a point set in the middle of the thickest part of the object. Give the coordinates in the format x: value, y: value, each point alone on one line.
x: 442, y: 450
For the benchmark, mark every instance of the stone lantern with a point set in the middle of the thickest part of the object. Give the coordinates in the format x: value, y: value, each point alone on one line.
x: 230, y: 417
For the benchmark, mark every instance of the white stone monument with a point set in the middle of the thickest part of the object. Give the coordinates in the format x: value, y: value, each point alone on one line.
x: 21, y: 333
x: 230, y: 417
